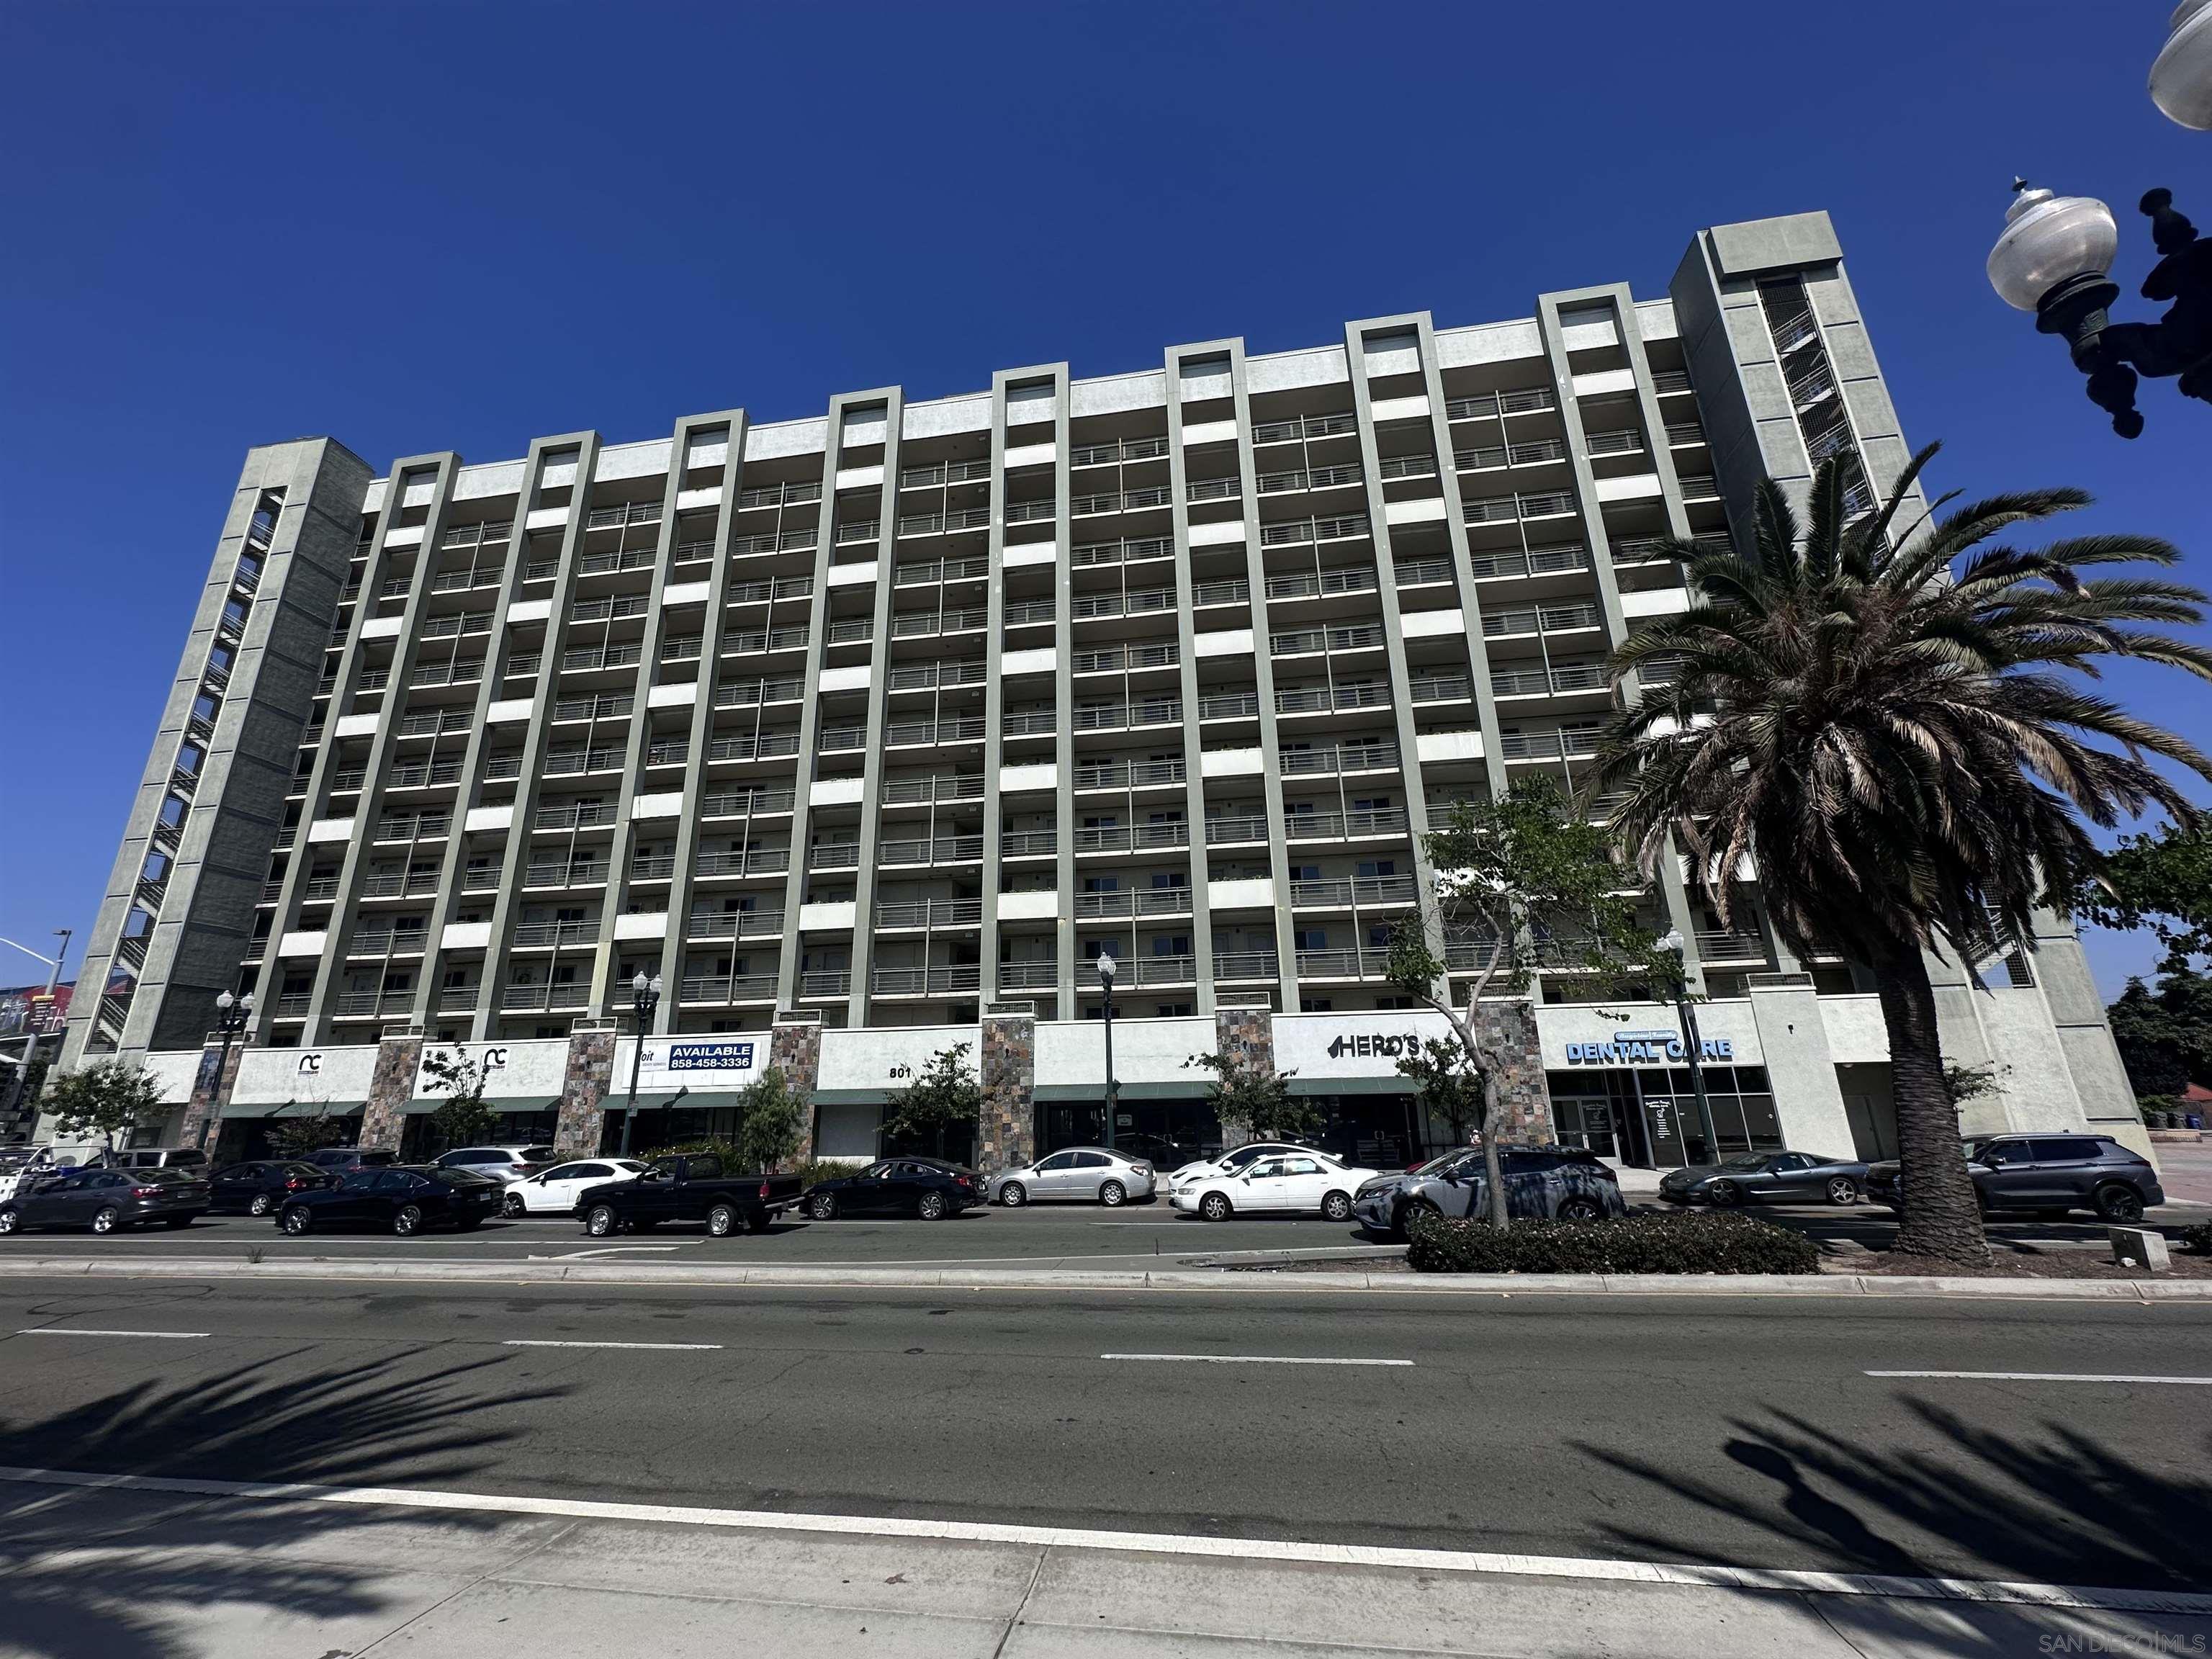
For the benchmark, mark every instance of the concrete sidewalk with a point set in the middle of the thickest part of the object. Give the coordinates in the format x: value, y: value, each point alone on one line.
x: 107, y: 1571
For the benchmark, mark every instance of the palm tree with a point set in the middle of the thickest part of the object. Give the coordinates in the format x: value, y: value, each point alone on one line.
x: 1893, y: 718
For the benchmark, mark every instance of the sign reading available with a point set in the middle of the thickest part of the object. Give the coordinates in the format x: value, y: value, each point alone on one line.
x: 697, y: 1063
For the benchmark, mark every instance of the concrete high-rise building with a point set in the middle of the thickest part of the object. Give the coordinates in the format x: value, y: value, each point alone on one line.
x: 895, y: 715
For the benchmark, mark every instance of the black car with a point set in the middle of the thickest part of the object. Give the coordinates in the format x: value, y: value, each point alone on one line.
x: 262, y: 1186
x: 405, y: 1199
x: 926, y: 1187
x: 338, y: 1159
x: 1766, y: 1178
x: 105, y: 1200
x: 2048, y: 1176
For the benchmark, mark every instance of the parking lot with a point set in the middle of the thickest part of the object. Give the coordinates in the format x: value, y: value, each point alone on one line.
x: 1064, y: 1236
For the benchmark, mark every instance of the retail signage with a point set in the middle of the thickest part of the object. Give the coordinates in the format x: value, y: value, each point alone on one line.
x: 1377, y: 1045
x: 1647, y: 1048
x: 716, y: 1055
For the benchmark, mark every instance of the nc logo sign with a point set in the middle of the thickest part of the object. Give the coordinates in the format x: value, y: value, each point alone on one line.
x: 310, y: 1063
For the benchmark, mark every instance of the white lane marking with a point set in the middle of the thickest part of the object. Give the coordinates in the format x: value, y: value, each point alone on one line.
x: 680, y: 1347
x: 611, y: 1250
x: 61, y: 1330
x: 1250, y: 1359
x: 1784, y: 1581
x: 2052, y: 1376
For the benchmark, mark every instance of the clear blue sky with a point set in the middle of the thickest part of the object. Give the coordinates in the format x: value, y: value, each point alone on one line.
x: 428, y: 227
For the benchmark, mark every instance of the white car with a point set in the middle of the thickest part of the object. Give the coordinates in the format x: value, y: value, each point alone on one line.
x: 554, y: 1191
x: 1295, y: 1182
x: 1235, y: 1161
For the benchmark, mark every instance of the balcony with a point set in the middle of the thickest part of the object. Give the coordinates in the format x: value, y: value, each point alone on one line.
x: 916, y: 624
x: 1719, y: 947
x: 1138, y: 837
x: 1167, y: 970
x: 1028, y: 975
x: 1029, y: 844
x: 575, y: 872
x: 930, y: 913
x: 1087, y: 607
x: 617, y: 518
x: 938, y: 524
x: 492, y: 532
x: 783, y: 587
x: 1247, y: 965
x: 564, y: 762
x: 1324, y: 699
x: 1235, y: 828
x: 949, y: 980
x: 825, y: 983
x: 1541, y: 683
x: 1623, y: 440
x: 611, y: 562
x: 725, y: 989
x: 542, y: 998
x: 1128, y: 549
x: 372, y: 1005
x: 916, y: 733
x: 776, y: 541
x: 541, y: 935
x: 1237, y: 591
x: 1484, y: 457
x: 1308, y: 584
x: 421, y: 826
x: 734, y: 924
x: 1525, y: 504
x: 1568, y: 742
x: 1795, y: 330
x: 764, y: 746
x: 1105, y: 717
x: 796, y: 494
x: 1489, y: 405
x: 1230, y: 706
x: 746, y: 803
x: 946, y: 787
x: 1354, y: 964
x: 941, y: 850
x: 1289, y: 532
x: 1125, y: 501
x: 1299, y: 642
x: 1352, y: 892
x: 419, y: 775
x: 653, y: 866
x: 750, y: 642
x: 1330, y: 759
x: 750, y: 693
x: 839, y: 739
x: 595, y: 708
x: 764, y: 861
x: 1700, y: 487
x: 947, y: 472
x: 1542, y: 619
x: 1311, y: 425
x: 1317, y: 477
x: 1129, y: 774
x: 1137, y: 902
x: 834, y: 855
x: 1113, y: 659
x: 1558, y: 559
x: 1344, y: 826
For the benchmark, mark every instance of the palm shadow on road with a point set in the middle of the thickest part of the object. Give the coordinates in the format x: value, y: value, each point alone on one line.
x: 150, y: 1555
x: 2056, y: 1507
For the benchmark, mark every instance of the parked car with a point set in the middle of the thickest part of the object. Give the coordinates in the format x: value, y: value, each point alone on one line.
x: 1563, y: 1183
x: 190, y: 1158
x: 1235, y: 1161
x: 1766, y: 1178
x: 924, y: 1187
x: 502, y: 1163
x: 105, y: 1200
x: 1089, y: 1174
x: 405, y: 1199
x: 554, y: 1191
x: 2048, y: 1176
x: 1295, y: 1182
x: 339, y: 1159
x: 687, y: 1188
x: 260, y: 1187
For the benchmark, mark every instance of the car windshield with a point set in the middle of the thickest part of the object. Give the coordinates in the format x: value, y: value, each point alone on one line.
x: 1447, y: 1161
x: 1744, y: 1161
x: 460, y: 1178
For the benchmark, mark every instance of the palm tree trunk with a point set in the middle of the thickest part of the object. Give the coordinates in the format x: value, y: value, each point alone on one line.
x: 1943, y: 1218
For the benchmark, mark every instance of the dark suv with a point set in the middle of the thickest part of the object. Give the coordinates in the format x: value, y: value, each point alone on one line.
x: 1563, y: 1183
x: 2047, y: 1175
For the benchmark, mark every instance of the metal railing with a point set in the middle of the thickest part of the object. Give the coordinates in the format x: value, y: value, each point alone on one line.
x: 1539, y: 682
x: 1289, y: 532
x: 761, y: 862
x: 1352, y: 892
x: 1330, y: 759
x: 1311, y: 425
x: 796, y: 494
x: 1128, y: 549
x: 746, y: 803
x: 1343, y: 826
x: 1027, y: 843
x: 1542, y: 619
x: 1517, y: 400
x: 1137, y: 902
x: 573, y: 873
x: 726, y: 987
x: 1028, y: 975
x: 1120, y: 775
x: 930, y: 913
x: 750, y: 693
x: 1569, y: 741
x: 944, y: 786
x: 734, y: 924
x: 1129, y: 449
x: 537, y: 935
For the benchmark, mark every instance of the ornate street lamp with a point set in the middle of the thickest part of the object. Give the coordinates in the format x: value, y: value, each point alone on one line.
x: 645, y: 997
x: 2181, y: 79
x: 231, y: 1016
x: 1670, y: 945
x: 1113, y: 1092
x: 2052, y: 260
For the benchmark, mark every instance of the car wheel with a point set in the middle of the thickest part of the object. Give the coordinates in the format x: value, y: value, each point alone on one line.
x: 1113, y: 1194
x: 1842, y: 1189
x: 931, y: 1206
x: 1337, y: 1206
x: 822, y: 1206
x: 1402, y: 1221
x: 260, y: 1205
x: 1214, y: 1206
x: 2118, y: 1204
x: 10, y: 1221
x: 1013, y: 1194
x: 294, y: 1219
x: 408, y: 1222
x: 514, y: 1208
x: 601, y: 1222
x: 1579, y: 1209
x: 107, y: 1219
x: 1723, y: 1194
x: 721, y: 1221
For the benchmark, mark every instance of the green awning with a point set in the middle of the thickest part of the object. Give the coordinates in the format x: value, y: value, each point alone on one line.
x: 426, y: 1103
x: 852, y: 1097
x: 1096, y: 1092
x: 323, y: 1109
x: 1353, y: 1085
x: 693, y: 1102
x: 239, y: 1108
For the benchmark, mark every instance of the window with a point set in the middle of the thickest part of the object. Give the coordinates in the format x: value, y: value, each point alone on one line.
x: 1090, y: 1160
x: 2064, y: 1149
x: 1057, y: 1162
x: 1311, y: 939
x: 1316, y: 1005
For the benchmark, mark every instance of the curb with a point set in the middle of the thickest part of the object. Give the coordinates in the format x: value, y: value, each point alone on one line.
x: 1468, y: 1285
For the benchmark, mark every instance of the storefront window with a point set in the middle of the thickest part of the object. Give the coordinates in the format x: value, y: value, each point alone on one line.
x: 1649, y: 1117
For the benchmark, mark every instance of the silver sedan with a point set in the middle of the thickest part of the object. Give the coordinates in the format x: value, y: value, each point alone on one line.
x: 1088, y: 1174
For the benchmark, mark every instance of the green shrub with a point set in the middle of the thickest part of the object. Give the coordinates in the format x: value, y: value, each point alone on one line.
x: 1691, y: 1241
x: 2198, y: 1238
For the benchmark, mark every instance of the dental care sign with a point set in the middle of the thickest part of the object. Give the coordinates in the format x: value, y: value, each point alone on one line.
x: 1647, y: 1048
x: 699, y: 1064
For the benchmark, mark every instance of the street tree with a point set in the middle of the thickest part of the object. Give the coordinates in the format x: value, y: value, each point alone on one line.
x: 2165, y: 1036
x: 1447, y: 1088
x: 943, y: 1093
x: 1258, y: 1097
x: 2161, y: 881
x: 771, y: 1121
x: 465, y: 1120
x: 105, y: 1098
x: 1523, y: 881
x: 1884, y: 714
x: 296, y: 1136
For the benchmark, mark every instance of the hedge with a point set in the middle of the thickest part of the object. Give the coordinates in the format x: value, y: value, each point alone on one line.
x: 1690, y: 1242
x: 2198, y: 1238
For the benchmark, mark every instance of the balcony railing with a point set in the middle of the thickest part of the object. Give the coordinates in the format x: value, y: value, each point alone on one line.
x: 914, y: 624
x: 1719, y: 945
x: 764, y: 746
x: 1135, y: 837
x: 1540, y: 683
x: 562, y: 762
x: 1167, y: 970
x: 1123, y: 775
x: 825, y: 983
x: 930, y: 913
x: 834, y: 855
x: 967, y: 728
x: 1352, y: 892
x: 774, y: 541
x: 538, y: 934
x: 1027, y: 843
x: 748, y: 693
x: 1128, y: 549
x: 1527, y: 504
x: 1230, y: 706
x: 615, y: 518
x: 1311, y: 425
x: 911, y: 572
x: 542, y: 998
x: 1246, y: 965
x: 1129, y: 449
x: 943, y: 849
x: 1330, y: 759
x: 1028, y: 975
x: 1289, y: 532
x: 1567, y: 743
x: 1558, y: 559
x: 1232, y: 829
x: 762, y: 861
x: 948, y: 980
x: 722, y: 989
x: 734, y: 924
x: 796, y: 494
x: 1542, y: 619
x: 1344, y: 826
x: 575, y: 872
x: 1137, y: 902
x: 746, y: 803
x: 1517, y: 400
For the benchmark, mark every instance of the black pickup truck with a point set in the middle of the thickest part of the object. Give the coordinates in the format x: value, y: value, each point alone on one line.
x: 695, y: 1188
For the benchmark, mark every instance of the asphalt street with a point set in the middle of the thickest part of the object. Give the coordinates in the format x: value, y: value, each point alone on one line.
x: 1749, y: 1432
x: 1059, y: 1235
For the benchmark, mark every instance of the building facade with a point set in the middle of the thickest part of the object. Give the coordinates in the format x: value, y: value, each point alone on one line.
x: 875, y: 728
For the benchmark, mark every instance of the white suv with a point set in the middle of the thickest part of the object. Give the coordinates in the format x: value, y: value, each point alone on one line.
x: 499, y: 1163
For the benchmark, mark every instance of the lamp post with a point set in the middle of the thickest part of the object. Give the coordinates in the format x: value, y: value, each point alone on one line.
x: 2055, y: 251
x: 645, y: 997
x: 1670, y: 945
x: 1113, y: 1092
x: 231, y: 1015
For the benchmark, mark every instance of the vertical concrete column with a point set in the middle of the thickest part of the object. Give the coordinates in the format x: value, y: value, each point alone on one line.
x: 1243, y: 1036
x: 1007, y: 1136
x: 391, y: 1086
x: 1808, y: 1101
x: 1511, y: 1022
x: 795, y: 1048
x: 211, y: 1086
x: 584, y: 1086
